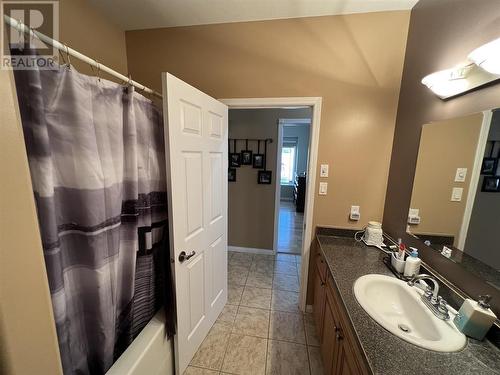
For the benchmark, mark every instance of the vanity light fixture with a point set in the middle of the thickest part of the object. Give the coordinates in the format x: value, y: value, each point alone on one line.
x: 487, y: 57
x: 449, y: 82
x: 482, y: 67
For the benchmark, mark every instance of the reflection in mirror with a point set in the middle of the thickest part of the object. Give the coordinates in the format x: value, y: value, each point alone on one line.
x: 455, y: 204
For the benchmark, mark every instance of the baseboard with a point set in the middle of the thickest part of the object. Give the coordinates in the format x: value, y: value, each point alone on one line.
x: 309, y: 309
x: 251, y: 250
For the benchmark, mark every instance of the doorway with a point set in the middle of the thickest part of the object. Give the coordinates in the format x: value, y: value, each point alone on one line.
x: 295, y: 102
x: 263, y: 286
x: 293, y: 150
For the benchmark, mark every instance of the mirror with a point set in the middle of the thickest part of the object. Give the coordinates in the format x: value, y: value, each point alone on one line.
x: 455, y: 204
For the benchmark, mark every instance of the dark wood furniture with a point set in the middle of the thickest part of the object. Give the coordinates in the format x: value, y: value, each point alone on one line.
x: 299, y: 193
x: 340, y: 349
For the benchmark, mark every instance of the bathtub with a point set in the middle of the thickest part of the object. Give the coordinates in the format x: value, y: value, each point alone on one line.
x: 150, y: 353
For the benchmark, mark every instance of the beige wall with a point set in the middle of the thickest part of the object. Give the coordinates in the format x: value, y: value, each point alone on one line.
x: 28, y: 343
x: 354, y: 62
x: 252, y: 206
x: 444, y: 147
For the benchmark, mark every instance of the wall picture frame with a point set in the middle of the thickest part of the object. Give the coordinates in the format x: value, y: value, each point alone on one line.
x: 231, y: 174
x: 246, y: 157
x: 258, y: 161
x: 234, y: 160
x: 491, y: 185
x: 489, y: 166
x: 264, y: 177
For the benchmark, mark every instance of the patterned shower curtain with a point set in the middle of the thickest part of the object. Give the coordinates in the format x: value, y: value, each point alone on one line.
x: 97, y: 162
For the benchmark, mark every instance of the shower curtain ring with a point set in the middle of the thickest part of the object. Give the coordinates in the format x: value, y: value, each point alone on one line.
x: 67, y: 56
x: 31, y: 36
x: 20, y: 36
x: 98, y: 70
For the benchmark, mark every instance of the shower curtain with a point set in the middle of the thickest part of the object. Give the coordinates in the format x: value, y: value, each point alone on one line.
x: 97, y: 163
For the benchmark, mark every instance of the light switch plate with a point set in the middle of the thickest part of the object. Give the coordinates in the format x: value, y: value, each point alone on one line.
x: 323, y: 188
x: 323, y: 170
x: 461, y: 175
x: 456, y: 194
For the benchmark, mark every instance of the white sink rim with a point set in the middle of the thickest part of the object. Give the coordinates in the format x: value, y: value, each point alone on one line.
x: 447, y: 337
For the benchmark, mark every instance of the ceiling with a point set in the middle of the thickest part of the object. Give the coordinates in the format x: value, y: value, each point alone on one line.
x: 148, y: 14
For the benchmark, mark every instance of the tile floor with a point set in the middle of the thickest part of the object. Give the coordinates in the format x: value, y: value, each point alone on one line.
x: 260, y: 330
x: 290, y: 229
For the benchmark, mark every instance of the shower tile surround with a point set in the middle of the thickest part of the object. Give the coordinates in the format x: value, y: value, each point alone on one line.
x: 261, y: 329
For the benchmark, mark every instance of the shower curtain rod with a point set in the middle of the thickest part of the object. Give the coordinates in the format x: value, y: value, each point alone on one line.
x: 18, y: 25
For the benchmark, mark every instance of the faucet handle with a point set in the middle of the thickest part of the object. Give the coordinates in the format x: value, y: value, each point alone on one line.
x: 428, y: 292
x: 443, y: 305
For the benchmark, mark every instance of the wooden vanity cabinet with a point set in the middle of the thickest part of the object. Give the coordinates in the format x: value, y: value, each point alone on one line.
x: 319, y: 290
x: 340, y: 349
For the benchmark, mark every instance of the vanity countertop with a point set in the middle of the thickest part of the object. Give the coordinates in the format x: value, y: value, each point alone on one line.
x: 387, y: 354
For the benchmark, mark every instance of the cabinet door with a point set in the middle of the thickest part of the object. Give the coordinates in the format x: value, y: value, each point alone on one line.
x: 319, y: 302
x: 329, y: 339
x: 346, y: 363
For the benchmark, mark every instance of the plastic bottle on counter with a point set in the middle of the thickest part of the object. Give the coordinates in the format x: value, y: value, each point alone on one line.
x: 412, y: 264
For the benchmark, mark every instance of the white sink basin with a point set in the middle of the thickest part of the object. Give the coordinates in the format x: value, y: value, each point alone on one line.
x: 397, y: 307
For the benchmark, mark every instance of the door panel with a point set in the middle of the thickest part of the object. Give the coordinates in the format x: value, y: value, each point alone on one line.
x: 193, y: 167
x: 196, y: 150
x: 216, y: 176
x: 196, y: 272
x: 218, y: 284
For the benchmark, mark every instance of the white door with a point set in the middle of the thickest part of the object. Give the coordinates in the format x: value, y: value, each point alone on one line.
x: 196, y: 150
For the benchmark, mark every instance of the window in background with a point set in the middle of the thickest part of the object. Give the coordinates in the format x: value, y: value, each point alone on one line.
x: 288, y: 163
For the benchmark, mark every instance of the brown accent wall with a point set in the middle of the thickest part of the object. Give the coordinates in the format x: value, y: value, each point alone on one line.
x: 444, y: 147
x: 441, y: 35
x: 251, y: 206
x: 28, y: 341
x: 354, y: 62
x: 85, y: 29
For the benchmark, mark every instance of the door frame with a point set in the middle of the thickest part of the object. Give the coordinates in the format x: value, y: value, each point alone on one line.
x: 315, y: 103
x: 282, y: 123
x: 475, y: 176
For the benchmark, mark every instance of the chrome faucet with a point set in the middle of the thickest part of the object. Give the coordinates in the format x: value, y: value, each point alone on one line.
x: 431, y: 296
x: 424, y: 276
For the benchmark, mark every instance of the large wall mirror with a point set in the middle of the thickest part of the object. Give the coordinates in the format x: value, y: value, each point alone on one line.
x: 455, y: 203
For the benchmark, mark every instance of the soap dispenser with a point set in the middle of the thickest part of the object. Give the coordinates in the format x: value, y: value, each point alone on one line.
x: 474, y: 319
x: 412, y: 265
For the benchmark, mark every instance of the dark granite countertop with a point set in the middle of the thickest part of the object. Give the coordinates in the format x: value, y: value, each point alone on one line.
x: 387, y: 354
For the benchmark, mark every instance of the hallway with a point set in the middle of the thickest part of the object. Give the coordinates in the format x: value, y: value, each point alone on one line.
x: 290, y: 229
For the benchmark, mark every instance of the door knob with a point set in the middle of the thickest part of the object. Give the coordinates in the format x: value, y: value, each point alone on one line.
x: 183, y: 256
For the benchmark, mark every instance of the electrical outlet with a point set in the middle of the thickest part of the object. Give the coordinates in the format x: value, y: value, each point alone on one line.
x: 413, y: 216
x: 323, y: 188
x: 354, y: 214
x: 413, y: 212
x: 323, y: 170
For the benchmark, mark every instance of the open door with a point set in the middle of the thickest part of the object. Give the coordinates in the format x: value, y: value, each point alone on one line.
x: 196, y: 149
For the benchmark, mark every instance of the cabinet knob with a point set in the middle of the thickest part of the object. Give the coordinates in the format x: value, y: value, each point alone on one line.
x: 339, y: 335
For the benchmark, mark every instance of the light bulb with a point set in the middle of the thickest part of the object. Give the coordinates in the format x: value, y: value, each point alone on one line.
x: 487, y: 57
